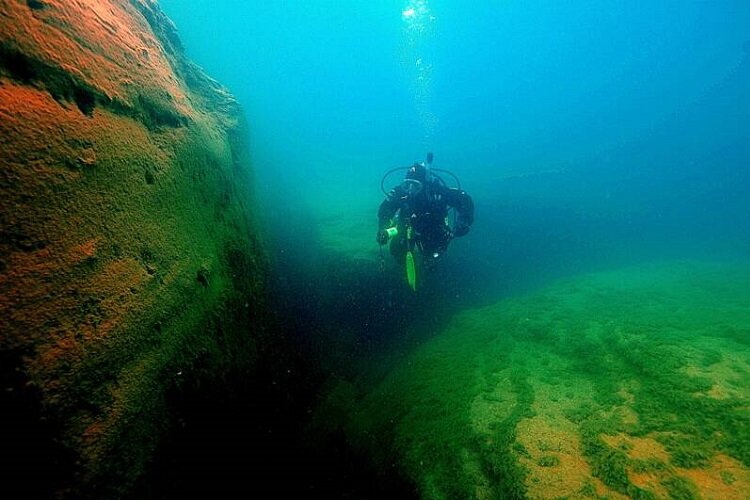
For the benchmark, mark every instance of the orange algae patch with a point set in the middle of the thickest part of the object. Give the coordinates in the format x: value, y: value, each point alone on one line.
x: 85, y: 250
x: 649, y: 481
x: 120, y: 170
x: 116, y: 282
x: 642, y: 448
x: 113, y: 283
x: 104, y: 43
x: 554, y: 457
x: 724, y: 478
x: 726, y: 375
x: 569, y: 472
x: 36, y: 153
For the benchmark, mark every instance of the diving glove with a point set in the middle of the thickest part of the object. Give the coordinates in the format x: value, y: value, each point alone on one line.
x: 382, y: 237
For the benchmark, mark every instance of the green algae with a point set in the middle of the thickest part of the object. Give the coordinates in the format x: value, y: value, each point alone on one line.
x: 130, y: 255
x: 649, y: 356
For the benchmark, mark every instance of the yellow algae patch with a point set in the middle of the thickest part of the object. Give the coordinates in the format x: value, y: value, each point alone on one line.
x: 718, y: 391
x: 555, y: 462
x: 638, y: 448
x: 646, y: 449
x: 554, y: 459
x: 728, y: 375
x: 626, y: 413
x: 724, y: 478
x: 553, y: 454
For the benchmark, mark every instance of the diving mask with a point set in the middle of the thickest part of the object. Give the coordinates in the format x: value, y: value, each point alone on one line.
x: 412, y: 186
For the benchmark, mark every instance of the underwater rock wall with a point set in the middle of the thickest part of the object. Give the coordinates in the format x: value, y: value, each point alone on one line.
x: 128, y: 258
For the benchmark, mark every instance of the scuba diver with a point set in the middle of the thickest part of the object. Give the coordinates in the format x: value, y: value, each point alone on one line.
x: 414, y: 216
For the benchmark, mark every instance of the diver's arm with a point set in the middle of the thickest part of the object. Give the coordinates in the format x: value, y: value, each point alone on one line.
x: 464, y: 206
x: 386, y: 212
x: 388, y: 208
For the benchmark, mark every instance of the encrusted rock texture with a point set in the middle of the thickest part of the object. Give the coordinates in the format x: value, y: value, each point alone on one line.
x: 128, y: 253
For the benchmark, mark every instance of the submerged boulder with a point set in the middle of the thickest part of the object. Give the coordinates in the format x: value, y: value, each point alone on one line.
x: 128, y: 256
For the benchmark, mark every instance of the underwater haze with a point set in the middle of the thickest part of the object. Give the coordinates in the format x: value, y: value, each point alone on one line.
x: 630, y: 121
x: 590, y: 336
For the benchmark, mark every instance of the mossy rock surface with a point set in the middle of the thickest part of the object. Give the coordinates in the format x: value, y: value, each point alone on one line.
x: 632, y: 383
x: 128, y: 254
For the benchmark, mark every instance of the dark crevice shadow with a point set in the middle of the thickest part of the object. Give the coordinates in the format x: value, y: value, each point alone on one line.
x: 252, y: 433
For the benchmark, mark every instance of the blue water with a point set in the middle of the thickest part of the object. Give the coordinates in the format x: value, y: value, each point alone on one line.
x: 590, y: 134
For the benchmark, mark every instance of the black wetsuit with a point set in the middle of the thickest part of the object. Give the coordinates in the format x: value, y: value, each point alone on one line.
x: 425, y: 215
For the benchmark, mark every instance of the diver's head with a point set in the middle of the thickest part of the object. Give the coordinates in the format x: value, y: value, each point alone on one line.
x: 417, y: 172
x: 415, y: 179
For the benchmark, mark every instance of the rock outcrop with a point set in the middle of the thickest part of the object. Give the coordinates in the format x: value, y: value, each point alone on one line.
x: 128, y: 258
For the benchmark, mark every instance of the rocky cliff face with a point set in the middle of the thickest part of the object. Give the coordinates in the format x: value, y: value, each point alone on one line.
x: 128, y: 259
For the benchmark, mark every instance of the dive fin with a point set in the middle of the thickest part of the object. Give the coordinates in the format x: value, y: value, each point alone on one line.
x: 411, y: 271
